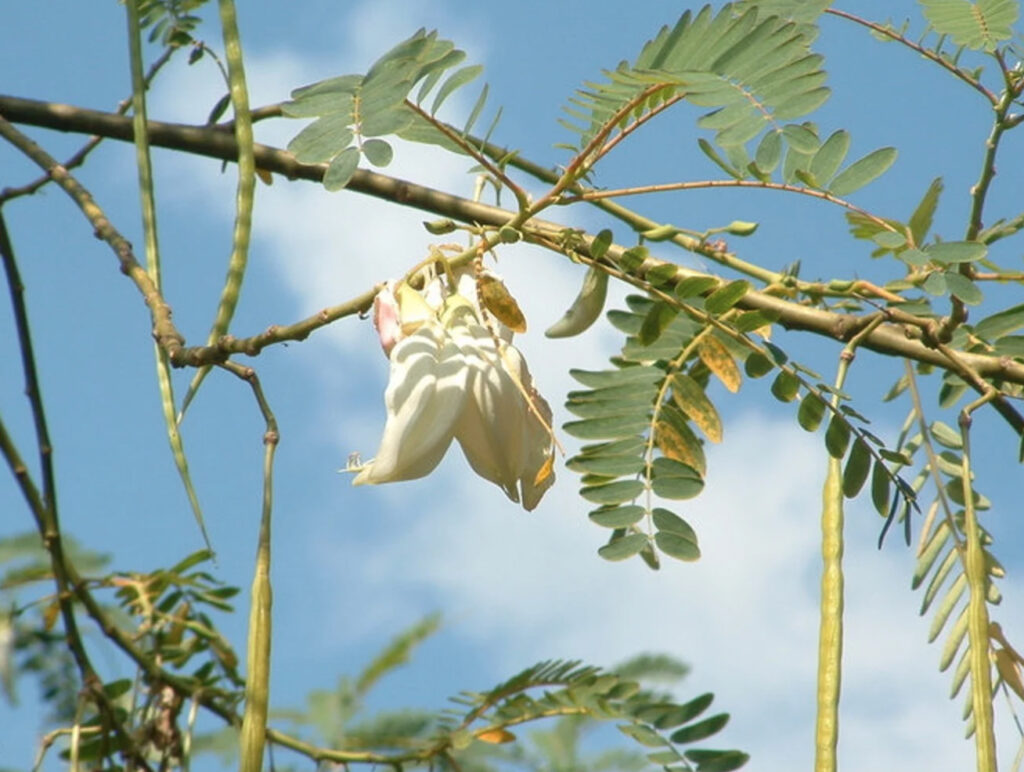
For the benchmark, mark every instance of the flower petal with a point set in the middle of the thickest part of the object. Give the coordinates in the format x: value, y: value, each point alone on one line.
x: 426, y: 393
x: 537, y: 474
x: 500, y: 436
x: 490, y: 428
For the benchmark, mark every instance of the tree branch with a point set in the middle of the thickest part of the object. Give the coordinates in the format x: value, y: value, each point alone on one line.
x: 890, y: 339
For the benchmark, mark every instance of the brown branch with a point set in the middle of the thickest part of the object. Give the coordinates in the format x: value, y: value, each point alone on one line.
x: 890, y: 339
x: 28, y: 364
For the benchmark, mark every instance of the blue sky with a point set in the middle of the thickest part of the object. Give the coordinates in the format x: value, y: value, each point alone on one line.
x: 353, y: 566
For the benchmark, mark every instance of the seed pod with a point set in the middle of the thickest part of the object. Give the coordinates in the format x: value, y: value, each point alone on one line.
x: 585, y: 308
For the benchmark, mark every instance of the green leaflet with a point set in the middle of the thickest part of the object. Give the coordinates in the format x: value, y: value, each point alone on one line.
x: 980, y: 26
x: 858, y: 466
x: 997, y: 325
x: 785, y: 386
x: 320, y: 140
x: 949, y: 252
x: 619, y: 377
x: 613, y: 493
x: 837, y: 437
x: 830, y: 156
x: 963, y: 288
x: 650, y: 448
x: 458, y: 79
x: 757, y: 365
x: 677, y: 539
x: 811, y: 412
x: 861, y: 172
x: 921, y: 220
x: 623, y: 547
x: 751, y: 67
x: 658, y: 318
x: 364, y: 107
x: 341, y: 169
x: 769, y: 152
x: 618, y: 517
x: 700, y: 730
x: 726, y: 296
x: 378, y: 152
x: 672, y: 479
x: 880, y: 489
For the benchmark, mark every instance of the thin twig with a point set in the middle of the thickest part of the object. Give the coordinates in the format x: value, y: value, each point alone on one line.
x: 521, y: 198
x: 585, y: 157
x: 28, y: 363
x: 164, y: 330
x: 48, y: 525
x: 636, y: 124
x: 79, y: 157
x: 598, y: 195
x: 927, y: 53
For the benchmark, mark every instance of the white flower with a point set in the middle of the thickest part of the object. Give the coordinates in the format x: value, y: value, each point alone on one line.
x: 451, y: 379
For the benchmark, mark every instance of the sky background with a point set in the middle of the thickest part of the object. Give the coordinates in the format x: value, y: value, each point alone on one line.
x: 354, y: 566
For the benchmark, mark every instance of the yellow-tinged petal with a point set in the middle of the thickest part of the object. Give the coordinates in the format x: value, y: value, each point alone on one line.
x: 501, y: 436
x: 491, y: 427
x: 413, y: 309
x: 538, y: 470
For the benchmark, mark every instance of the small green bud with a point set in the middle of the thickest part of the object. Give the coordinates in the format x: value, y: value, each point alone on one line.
x: 741, y: 228
x: 841, y: 285
x: 439, y: 227
x: 661, y: 233
x: 509, y: 235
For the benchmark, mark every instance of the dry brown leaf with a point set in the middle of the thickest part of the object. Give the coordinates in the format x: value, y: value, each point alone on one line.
x: 496, y: 736
x: 495, y: 297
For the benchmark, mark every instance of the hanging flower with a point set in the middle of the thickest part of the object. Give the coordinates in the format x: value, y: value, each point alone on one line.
x: 452, y: 378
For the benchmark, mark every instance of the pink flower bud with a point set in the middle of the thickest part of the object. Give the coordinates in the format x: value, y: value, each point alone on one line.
x: 385, y: 318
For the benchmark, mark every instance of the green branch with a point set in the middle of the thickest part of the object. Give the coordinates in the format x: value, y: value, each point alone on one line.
x: 147, y: 200
x: 257, y: 682
x: 976, y: 571
x: 242, y: 126
x: 830, y: 633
